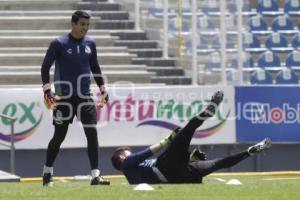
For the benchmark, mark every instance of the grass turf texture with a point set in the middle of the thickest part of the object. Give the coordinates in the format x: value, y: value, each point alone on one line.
x: 252, y: 188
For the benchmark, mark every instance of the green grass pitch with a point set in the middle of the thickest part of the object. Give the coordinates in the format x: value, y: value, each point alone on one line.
x: 252, y: 188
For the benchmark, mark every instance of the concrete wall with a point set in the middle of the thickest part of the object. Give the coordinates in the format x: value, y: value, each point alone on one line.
x: 70, y: 162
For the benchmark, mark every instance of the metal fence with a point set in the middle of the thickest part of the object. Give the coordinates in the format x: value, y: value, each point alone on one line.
x: 12, y: 142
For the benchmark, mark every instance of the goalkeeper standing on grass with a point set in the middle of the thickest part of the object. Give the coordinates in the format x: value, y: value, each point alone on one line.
x: 75, y: 59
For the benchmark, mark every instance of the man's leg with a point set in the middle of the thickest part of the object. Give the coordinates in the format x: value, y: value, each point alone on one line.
x: 206, y: 167
x: 176, y: 155
x: 88, y: 117
x: 60, y: 132
x: 181, y: 142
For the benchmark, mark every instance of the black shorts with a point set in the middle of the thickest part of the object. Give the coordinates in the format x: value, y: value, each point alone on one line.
x: 83, y: 108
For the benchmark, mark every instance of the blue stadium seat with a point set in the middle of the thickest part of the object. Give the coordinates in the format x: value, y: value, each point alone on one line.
x: 203, y: 45
x: 173, y: 25
x: 213, y: 62
x: 293, y: 60
x: 278, y: 43
x: 153, y: 11
x: 204, y: 23
x: 247, y: 63
x: 292, y: 7
x: 267, y: 6
x: 283, y: 23
x: 286, y: 76
x: 296, y: 41
x: 210, y: 6
x: 232, y: 8
x: 261, y: 76
x: 230, y: 43
x: 269, y: 61
x: 251, y: 43
x: 231, y: 22
x: 257, y: 23
x: 276, y: 40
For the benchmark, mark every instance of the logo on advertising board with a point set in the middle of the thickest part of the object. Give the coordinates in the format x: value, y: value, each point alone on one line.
x: 268, y: 112
x: 28, y: 117
x: 160, y: 114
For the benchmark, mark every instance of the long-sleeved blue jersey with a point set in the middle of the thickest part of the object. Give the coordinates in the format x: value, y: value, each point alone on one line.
x: 75, y: 59
x: 138, y: 169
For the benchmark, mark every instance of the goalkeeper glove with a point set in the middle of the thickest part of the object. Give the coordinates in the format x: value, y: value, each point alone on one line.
x: 49, y: 98
x: 167, y: 141
x: 197, y: 154
x: 103, y: 96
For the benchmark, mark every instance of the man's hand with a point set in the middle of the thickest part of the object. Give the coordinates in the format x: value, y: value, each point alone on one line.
x: 197, y: 154
x: 49, y: 98
x: 103, y: 97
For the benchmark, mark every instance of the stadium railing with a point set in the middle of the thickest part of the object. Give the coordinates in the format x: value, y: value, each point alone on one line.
x: 12, y: 141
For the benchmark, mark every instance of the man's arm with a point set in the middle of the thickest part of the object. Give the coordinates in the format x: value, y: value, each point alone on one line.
x: 95, y: 68
x: 51, y: 55
x: 136, y: 158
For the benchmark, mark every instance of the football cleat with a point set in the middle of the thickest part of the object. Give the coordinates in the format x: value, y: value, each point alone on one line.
x: 47, y: 180
x: 99, y: 181
x: 263, y: 145
x: 215, y: 101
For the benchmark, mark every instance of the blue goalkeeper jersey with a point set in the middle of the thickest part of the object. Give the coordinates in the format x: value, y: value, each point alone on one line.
x: 138, y: 169
x: 75, y: 59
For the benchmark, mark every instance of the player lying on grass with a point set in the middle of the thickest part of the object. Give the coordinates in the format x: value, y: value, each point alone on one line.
x: 175, y: 164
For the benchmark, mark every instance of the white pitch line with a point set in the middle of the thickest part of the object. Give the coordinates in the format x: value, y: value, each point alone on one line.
x: 274, y: 179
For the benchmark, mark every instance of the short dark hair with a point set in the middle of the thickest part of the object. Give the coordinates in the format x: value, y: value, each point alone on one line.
x: 79, y: 14
x: 116, y: 157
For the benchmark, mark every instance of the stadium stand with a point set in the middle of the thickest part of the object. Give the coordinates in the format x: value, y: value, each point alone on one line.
x: 203, y: 44
x: 277, y: 42
x: 269, y: 26
x: 269, y: 59
x: 210, y: 6
x: 214, y: 62
x: 250, y: 41
x: 286, y: 76
x: 232, y: 7
x: 173, y: 25
x: 260, y: 76
x: 248, y: 63
x: 284, y: 24
x: 258, y: 24
x: 296, y: 41
x: 267, y: 6
x: 252, y: 45
x: 230, y: 43
x: 205, y: 24
x: 124, y: 53
x: 293, y: 60
x: 292, y: 7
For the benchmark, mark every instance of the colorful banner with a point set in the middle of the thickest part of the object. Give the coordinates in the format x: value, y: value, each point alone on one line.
x: 133, y: 116
x: 272, y: 112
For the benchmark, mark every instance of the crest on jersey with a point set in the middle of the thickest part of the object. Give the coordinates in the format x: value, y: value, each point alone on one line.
x: 87, y: 49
